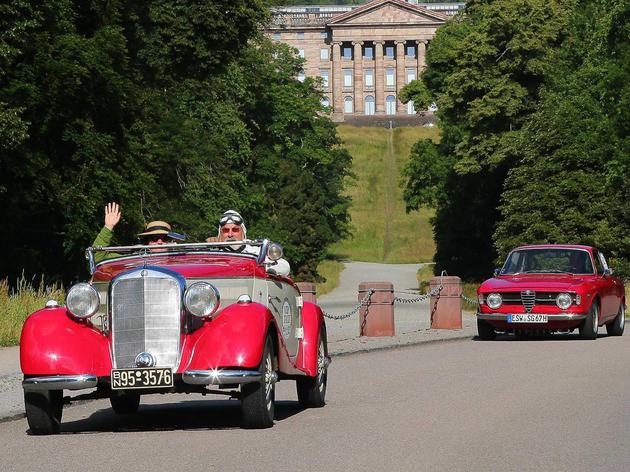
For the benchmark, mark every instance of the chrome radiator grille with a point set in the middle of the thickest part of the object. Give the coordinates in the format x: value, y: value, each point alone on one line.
x: 528, y: 297
x: 146, y: 316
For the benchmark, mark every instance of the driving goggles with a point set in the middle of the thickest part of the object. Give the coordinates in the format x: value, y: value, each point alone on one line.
x: 233, y: 219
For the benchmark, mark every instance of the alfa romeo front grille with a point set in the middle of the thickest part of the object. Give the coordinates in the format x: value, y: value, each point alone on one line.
x: 146, y: 317
x: 528, y: 298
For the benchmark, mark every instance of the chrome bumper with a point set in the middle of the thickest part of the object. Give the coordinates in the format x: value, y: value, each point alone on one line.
x: 222, y: 377
x: 60, y: 382
x: 554, y: 317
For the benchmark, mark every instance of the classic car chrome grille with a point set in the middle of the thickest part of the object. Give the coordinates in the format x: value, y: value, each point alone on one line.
x: 528, y: 297
x: 146, y: 316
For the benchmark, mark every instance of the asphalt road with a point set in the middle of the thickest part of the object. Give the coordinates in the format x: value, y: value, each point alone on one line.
x: 508, y: 405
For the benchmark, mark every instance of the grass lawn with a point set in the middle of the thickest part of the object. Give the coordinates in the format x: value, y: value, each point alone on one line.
x: 382, y: 230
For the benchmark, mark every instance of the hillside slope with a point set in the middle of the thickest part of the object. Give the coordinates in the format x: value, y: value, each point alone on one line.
x: 382, y: 230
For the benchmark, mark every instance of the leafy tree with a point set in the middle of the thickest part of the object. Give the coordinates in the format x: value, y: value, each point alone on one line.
x: 176, y: 110
x: 572, y: 183
x: 485, y: 70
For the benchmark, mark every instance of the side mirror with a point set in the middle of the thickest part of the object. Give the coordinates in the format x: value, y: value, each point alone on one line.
x: 608, y: 272
x: 496, y: 271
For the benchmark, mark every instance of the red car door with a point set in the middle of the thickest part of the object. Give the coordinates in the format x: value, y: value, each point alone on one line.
x: 607, y: 290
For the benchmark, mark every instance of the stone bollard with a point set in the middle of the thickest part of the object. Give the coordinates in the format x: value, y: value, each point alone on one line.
x: 308, y: 291
x: 448, y: 312
x: 377, y: 318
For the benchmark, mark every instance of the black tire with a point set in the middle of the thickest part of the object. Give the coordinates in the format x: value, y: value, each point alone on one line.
x: 257, y: 398
x: 616, y: 326
x: 125, y: 403
x: 43, y: 411
x: 588, y: 329
x: 311, y: 391
x: 485, y: 330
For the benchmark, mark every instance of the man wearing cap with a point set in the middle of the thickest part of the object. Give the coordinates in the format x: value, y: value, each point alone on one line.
x: 232, y: 228
x: 155, y: 233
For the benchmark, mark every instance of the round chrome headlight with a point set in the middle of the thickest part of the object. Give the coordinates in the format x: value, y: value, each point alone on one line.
x: 564, y: 300
x: 82, y: 300
x: 275, y: 251
x: 494, y: 300
x: 202, y: 299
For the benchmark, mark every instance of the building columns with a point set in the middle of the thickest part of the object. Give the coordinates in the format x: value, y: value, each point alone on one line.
x: 379, y: 79
x: 400, y: 74
x: 422, y: 51
x: 358, y: 77
x: 337, y: 80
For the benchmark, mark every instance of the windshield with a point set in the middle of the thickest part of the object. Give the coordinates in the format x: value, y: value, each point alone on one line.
x: 548, y: 261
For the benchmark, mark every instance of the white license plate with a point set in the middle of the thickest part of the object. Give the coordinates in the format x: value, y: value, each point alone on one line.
x: 149, y: 377
x: 527, y: 318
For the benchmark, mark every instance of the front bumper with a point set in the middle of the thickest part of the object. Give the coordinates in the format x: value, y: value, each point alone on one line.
x: 191, y: 377
x: 60, y: 382
x: 550, y: 317
x: 222, y: 377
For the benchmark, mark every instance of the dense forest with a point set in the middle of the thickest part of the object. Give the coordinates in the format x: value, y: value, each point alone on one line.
x: 534, y: 108
x: 178, y: 111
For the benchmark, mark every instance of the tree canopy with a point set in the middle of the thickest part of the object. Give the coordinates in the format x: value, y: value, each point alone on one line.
x: 532, y: 95
x: 178, y: 111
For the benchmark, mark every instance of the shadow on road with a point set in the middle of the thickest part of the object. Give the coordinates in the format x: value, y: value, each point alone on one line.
x: 537, y: 337
x: 189, y: 415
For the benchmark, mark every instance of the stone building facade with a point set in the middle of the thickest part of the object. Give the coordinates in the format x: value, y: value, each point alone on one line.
x: 364, y: 55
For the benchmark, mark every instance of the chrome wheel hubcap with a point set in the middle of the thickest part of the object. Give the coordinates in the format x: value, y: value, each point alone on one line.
x: 269, y: 382
x: 321, y: 368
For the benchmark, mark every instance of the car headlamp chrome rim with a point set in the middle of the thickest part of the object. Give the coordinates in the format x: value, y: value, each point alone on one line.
x: 202, y: 299
x: 494, y: 300
x: 275, y: 251
x: 564, y: 300
x: 82, y: 300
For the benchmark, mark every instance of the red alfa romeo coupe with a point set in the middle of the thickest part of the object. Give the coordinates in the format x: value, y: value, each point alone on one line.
x: 182, y: 318
x: 552, y: 288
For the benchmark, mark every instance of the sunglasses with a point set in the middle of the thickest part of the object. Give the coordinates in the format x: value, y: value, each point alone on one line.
x: 234, y: 219
x: 155, y: 238
x: 236, y: 229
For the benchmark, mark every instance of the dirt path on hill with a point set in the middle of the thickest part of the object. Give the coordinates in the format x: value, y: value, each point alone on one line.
x: 390, y: 191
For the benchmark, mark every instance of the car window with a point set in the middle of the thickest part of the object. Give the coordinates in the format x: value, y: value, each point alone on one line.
x: 602, y: 259
x: 548, y: 260
x: 598, y: 262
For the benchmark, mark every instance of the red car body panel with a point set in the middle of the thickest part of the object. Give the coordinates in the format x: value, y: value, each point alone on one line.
x: 606, y: 290
x: 53, y: 343
x: 313, y: 322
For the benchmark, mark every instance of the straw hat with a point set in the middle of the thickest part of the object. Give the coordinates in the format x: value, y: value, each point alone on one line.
x: 156, y: 227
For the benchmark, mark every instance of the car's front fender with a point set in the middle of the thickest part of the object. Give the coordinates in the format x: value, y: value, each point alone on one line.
x: 313, y: 324
x: 235, y: 338
x: 54, y: 344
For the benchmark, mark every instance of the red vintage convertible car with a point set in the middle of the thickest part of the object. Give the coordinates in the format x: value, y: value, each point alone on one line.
x: 549, y: 288
x: 183, y: 318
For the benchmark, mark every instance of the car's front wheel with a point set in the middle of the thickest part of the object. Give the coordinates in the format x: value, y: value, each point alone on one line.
x: 616, y: 326
x: 257, y: 398
x: 44, y: 410
x: 588, y: 330
x: 485, y: 330
x: 311, y: 391
x: 125, y: 403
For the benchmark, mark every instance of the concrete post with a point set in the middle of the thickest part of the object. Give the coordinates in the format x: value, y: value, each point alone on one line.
x: 446, y: 307
x: 308, y: 290
x: 377, y: 318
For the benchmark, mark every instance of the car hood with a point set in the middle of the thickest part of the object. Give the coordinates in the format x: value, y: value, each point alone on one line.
x: 538, y: 282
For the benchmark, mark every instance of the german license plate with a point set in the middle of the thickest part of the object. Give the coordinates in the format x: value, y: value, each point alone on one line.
x: 527, y: 318
x: 149, y: 377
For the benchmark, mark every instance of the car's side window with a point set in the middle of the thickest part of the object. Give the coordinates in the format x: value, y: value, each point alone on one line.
x: 598, y: 262
x: 602, y: 260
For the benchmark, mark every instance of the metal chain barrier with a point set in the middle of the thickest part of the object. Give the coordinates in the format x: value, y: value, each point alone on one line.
x: 365, y: 301
x: 426, y: 296
x: 472, y: 301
